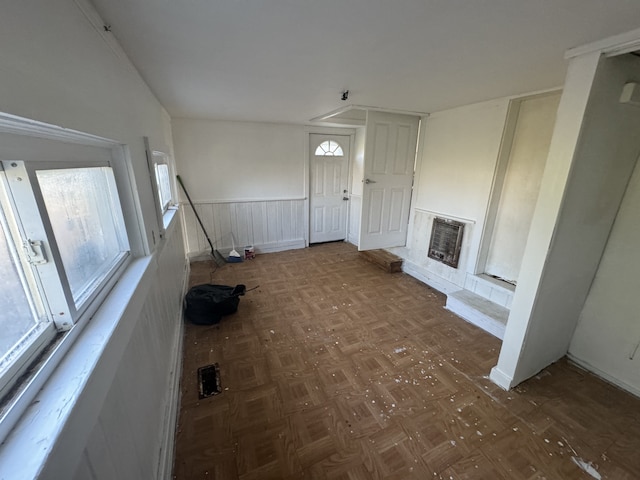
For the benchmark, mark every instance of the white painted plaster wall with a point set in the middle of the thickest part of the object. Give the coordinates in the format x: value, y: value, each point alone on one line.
x: 593, y: 151
x: 528, y: 156
x: 240, y: 160
x: 357, y: 175
x: 454, y: 178
x: 56, y: 67
x: 249, y: 180
x: 608, y: 333
x: 357, y: 172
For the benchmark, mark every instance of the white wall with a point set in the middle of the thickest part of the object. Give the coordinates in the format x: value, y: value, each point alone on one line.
x: 608, y: 333
x: 249, y: 182
x: 356, y: 188
x: 519, y: 192
x: 59, y: 68
x: 454, y: 177
x: 133, y: 433
x: 594, y: 148
x: 240, y: 160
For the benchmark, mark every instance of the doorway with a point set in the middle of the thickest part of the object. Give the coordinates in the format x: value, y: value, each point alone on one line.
x: 329, y: 194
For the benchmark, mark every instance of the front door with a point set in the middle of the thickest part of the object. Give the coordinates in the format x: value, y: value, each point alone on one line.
x: 389, y: 160
x: 328, y: 200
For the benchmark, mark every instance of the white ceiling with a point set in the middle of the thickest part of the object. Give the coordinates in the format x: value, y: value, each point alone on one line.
x: 289, y: 60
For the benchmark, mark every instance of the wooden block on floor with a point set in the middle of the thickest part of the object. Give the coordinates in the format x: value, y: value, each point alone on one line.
x: 385, y: 260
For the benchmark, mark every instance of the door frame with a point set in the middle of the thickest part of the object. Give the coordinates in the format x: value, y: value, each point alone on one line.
x: 328, y: 198
x: 417, y: 170
x: 345, y: 132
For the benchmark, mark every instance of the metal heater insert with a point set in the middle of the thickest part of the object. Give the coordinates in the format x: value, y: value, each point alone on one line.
x: 446, y: 241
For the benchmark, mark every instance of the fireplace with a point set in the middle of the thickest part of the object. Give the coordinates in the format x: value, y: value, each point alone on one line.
x: 446, y: 240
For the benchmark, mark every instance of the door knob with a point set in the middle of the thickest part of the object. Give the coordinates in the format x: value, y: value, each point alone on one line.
x: 367, y: 181
x: 345, y: 198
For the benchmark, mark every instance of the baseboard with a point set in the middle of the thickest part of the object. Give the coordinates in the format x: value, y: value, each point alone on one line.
x: 504, y: 381
x: 199, y: 256
x: 263, y: 248
x: 501, y: 379
x: 280, y: 246
x: 605, y: 376
x: 427, y: 277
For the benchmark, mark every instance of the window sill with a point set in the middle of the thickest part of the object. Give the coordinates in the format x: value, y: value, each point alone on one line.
x: 168, y: 216
x: 67, y: 394
x: 169, y: 220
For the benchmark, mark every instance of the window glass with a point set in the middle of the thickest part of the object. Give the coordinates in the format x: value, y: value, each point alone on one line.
x: 18, y: 318
x: 164, y: 185
x: 87, y: 223
x: 63, y: 241
x: 329, y: 148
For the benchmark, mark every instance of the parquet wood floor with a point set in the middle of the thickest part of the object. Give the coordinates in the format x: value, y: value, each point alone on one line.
x: 333, y: 369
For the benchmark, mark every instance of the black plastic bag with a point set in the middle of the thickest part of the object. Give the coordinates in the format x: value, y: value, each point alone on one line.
x: 206, y: 304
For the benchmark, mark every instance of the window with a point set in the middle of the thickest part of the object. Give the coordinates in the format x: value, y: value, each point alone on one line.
x: 63, y: 242
x: 329, y: 148
x: 164, y: 185
x: 159, y: 166
x: 87, y: 224
x: 23, y: 322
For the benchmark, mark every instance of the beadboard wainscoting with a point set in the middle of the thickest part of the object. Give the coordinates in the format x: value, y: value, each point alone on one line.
x: 268, y: 225
x: 109, y: 407
x: 354, y: 218
x: 133, y: 435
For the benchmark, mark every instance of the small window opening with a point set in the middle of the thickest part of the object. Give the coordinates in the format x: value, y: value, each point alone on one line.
x: 329, y: 148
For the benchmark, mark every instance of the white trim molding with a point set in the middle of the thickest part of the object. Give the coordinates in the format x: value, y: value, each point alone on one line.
x: 498, y: 377
x: 445, y: 215
x: 33, y: 128
x: 611, y: 46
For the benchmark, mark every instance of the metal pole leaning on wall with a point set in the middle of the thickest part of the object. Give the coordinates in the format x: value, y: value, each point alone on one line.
x: 197, y: 216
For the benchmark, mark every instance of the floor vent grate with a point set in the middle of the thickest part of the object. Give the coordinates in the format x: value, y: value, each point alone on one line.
x: 209, y: 381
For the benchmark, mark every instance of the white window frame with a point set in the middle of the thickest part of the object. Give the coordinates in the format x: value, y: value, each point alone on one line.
x: 30, y: 203
x: 160, y: 156
x: 20, y: 139
x: 39, y: 339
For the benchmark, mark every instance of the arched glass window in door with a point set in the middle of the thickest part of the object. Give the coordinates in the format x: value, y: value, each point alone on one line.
x: 329, y: 148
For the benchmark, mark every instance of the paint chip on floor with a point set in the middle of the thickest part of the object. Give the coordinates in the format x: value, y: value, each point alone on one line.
x: 587, y: 467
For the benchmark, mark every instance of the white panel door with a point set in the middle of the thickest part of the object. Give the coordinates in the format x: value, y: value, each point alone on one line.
x: 389, y: 159
x: 328, y: 200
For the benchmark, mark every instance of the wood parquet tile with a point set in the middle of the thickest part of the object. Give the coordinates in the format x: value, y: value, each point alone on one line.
x: 333, y: 369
